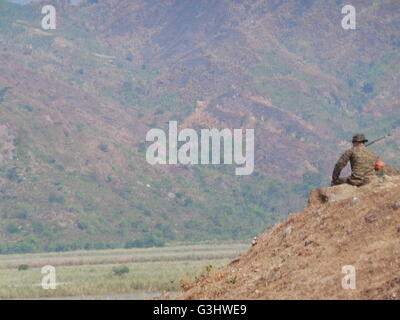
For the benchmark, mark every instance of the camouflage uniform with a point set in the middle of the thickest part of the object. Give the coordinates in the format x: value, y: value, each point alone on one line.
x: 362, y: 162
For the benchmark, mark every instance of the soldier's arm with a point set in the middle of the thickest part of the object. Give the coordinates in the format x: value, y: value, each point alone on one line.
x: 344, y: 159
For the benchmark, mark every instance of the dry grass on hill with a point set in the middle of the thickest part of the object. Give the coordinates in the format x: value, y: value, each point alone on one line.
x: 303, y: 257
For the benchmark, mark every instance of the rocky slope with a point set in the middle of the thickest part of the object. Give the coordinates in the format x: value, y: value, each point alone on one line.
x: 303, y: 257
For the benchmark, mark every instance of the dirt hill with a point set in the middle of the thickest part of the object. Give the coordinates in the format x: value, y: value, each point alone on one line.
x: 303, y: 257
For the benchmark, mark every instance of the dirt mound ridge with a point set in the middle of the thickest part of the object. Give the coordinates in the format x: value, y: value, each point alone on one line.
x: 303, y: 257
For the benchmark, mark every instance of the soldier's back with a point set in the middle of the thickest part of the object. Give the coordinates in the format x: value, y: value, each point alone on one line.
x: 362, y: 162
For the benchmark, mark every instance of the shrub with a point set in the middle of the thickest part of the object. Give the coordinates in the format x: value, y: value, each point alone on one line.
x: 53, y: 198
x: 3, y: 92
x: 103, y: 147
x: 148, y: 241
x: 22, y: 247
x: 12, y: 227
x: 179, y: 194
x: 80, y: 127
x: 12, y: 175
x: 188, y: 202
x: 147, y: 213
x: 368, y: 88
x: 27, y: 107
x: 82, y: 225
x: 119, y: 271
x: 129, y: 57
x: 22, y: 267
x: 141, y: 147
x: 37, y: 227
x: 127, y: 85
x: 21, y: 214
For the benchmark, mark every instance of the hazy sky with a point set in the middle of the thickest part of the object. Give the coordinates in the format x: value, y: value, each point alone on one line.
x: 27, y: 1
x: 20, y: 1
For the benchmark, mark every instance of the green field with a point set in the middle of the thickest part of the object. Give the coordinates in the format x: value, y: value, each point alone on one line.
x: 97, y: 273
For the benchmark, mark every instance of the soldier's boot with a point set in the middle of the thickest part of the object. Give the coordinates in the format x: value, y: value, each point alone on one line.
x: 358, y: 182
x: 339, y: 181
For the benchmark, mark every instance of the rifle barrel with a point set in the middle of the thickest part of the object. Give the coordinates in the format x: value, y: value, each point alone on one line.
x: 377, y: 140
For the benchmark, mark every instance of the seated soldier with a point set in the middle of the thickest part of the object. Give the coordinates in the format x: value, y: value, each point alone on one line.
x: 362, y: 162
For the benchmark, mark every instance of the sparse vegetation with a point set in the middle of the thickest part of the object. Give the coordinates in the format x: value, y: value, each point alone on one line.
x: 135, y: 270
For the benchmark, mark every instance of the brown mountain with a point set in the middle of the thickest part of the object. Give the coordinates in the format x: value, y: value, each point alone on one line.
x: 76, y: 103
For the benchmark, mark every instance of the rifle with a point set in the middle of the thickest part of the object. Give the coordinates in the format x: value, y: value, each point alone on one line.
x: 377, y: 140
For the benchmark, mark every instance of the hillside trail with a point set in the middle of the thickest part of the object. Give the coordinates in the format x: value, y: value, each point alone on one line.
x: 309, y: 255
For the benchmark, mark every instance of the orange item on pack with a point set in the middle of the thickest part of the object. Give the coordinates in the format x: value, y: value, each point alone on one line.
x: 379, y: 164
